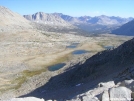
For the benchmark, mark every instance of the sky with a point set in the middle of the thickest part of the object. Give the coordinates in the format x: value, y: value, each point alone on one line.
x: 122, y: 8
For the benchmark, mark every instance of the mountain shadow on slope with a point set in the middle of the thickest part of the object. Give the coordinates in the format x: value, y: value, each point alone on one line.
x: 103, y: 66
x: 126, y: 29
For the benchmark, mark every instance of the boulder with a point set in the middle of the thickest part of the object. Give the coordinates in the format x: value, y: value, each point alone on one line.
x: 128, y: 83
x: 105, y: 96
x: 107, y: 84
x: 85, y: 98
x: 26, y: 99
x: 120, y: 94
x: 132, y: 96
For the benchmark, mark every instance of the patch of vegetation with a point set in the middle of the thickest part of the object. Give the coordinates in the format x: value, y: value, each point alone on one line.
x: 27, y: 73
x: 6, y: 88
x: 62, y: 59
x: 102, y: 44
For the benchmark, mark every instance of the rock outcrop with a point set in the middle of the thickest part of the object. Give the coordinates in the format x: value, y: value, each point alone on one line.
x: 120, y: 94
x: 107, y: 94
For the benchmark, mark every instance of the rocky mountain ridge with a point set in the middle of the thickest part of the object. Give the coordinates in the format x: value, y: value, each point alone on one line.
x: 101, y: 20
x: 12, y: 21
x: 93, y: 25
x: 45, y: 18
x: 53, y: 23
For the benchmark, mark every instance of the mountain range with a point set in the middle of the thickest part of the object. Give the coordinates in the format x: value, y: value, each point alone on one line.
x: 101, y: 20
x: 64, y: 23
x: 93, y: 25
x: 59, y: 18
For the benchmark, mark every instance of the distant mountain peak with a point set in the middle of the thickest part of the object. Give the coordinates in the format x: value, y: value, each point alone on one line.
x: 45, y: 18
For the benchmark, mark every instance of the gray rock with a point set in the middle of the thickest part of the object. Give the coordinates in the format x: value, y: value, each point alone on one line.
x: 120, y: 94
x: 132, y: 96
x: 129, y: 84
x: 107, y: 84
x: 105, y: 96
x: 85, y: 98
x: 26, y: 99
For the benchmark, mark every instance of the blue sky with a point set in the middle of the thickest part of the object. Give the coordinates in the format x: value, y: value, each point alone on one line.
x: 123, y: 8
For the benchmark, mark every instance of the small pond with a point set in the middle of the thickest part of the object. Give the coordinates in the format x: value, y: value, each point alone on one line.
x: 56, y: 66
x: 77, y: 52
x: 74, y: 45
x: 108, y: 47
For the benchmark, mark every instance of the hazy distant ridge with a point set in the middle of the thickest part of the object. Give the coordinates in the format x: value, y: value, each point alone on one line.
x: 102, y: 20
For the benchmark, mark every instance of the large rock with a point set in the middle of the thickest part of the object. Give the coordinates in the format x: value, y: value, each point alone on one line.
x: 107, y: 84
x: 129, y: 84
x: 120, y: 94
x: 132, y: 96
x: 85, y: 98
x: 26, y: 99
x: 105, y: 96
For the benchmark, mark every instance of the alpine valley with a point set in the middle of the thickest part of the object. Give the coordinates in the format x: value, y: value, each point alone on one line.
x: 57, y: 57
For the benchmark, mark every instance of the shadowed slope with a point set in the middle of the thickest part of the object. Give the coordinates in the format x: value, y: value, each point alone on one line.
x: 103, y: 66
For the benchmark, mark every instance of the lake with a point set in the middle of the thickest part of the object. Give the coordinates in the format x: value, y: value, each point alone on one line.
x: 77, y: 52
x: 56, y: 66
x: 74, y: 45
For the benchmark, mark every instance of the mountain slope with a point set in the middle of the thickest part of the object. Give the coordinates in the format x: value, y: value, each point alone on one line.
x: 12, y: 21
x: 105, y: 64
x: 126, y: 29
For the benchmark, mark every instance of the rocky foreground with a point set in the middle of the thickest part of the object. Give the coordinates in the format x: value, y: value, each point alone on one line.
x: 108, y: 91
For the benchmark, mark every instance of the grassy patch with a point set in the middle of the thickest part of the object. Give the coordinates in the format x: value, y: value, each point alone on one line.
x: 27, y: 73
x: 62, y: 59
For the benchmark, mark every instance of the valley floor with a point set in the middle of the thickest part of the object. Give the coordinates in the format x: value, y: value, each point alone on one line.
x: 25, y: 57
